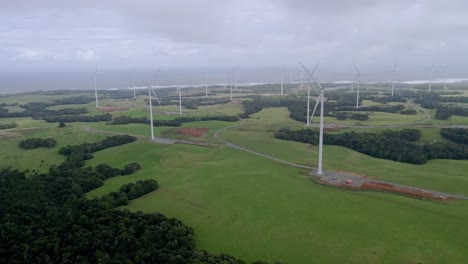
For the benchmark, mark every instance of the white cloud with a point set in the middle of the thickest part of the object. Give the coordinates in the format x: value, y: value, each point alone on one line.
x: 32, y: 54
x: 85, y: 55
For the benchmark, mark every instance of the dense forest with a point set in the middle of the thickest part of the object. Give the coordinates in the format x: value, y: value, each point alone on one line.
x: 458, y: 135
x: 339, y: 107
x: 8, y: 125
x: 46, y: 218
x: 32, y: 143
x: 122, y: 120
x: 392, y: 145
x: 78, y: 118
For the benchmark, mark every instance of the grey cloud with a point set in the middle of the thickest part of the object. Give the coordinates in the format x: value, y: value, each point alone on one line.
x: 240, y: 32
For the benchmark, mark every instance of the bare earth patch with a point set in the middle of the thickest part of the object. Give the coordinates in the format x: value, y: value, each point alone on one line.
x: 194, y: 132
x: 188, y: 131
x: 108, y: 109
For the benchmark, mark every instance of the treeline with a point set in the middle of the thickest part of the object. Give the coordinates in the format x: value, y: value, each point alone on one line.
x: 392, y: 145
x: 41, y: 114
x: 196, y: 102
x: 409, y: 112
x: 109, y: 142
x: 374, y: 108
x: 109, y: 172
x: 46, y: 218
x: 78, y: 118
x: 355, y: 116
x: 129, y: 191
x: 389, y: 98
x: 188, y: 119
x: 444, y: 112
x: 8, y: 125
x: 432, y: 100
x: 298, y: 107
x: 32, y: 143
x: 39, y: 106
x: 123, y: 120
x: 458, y: 135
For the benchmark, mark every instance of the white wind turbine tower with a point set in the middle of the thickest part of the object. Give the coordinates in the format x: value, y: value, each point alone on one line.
x: 445, y: 78
x: 235, y: 80
x: 151, y: 112
x: 430, y: 77
x: 225, y: 80
x: 301, y: 77
x: 321, y: 100
x: 150, y: 89
x: 206, y: 85
x: 308, y: 92
x: 133, y: 84
x: 231, y: 89
x: 394, y: 78
x: 180, y: 96
x: 358, y: 85
x: 95, y: 88
x: 282, y: 80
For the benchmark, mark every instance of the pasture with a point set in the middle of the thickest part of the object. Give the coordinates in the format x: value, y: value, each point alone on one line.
x: 256, y: 208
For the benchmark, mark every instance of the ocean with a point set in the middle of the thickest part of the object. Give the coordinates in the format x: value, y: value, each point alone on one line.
x: 26, y: 81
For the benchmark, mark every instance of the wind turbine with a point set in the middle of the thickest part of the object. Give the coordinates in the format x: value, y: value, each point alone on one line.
x: 133, y: 84
x: 231, y: 89
x: 206, y: 85
x: 180, y: 96
x: 311, y: 74
x: 445, y: 78
x: 394, y: 77
x: 151, y: 112
x: 358, y: 85
x: 282, y: 80
x: 95, y: 88
x: 300, y: 77
x: 321, y: 100
x: 150, y: 89
x: 235, y: 80
x: 430, y: 77
x: 225, y: 77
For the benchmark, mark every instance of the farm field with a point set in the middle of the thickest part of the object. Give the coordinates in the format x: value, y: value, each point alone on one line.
x: 256, y: 208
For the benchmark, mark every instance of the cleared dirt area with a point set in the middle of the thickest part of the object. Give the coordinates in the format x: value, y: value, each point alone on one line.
x: 108, y: 109
x: 361, y: 182
x: 188, y: 131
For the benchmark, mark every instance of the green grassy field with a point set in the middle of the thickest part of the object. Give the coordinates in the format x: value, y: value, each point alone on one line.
x: 40, y: 159
x: 443, y: 175
x: 255, y: 208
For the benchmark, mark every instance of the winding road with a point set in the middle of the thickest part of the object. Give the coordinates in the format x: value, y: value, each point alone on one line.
x: 339, y: 178
x: 333, y: 178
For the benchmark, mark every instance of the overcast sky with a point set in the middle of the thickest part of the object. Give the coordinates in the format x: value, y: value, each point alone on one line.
x: 242, y: 33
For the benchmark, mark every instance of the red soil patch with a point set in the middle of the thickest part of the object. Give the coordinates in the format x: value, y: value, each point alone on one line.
x: 111, y: 109
x: 405, y: 191
x: 332, y: 129
x: 194, y: 132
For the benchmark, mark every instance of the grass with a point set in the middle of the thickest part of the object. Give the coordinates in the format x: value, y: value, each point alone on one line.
x: 255, y: 208
x: 40, y: 159
x: 378, y: 119
x: 442, y: 175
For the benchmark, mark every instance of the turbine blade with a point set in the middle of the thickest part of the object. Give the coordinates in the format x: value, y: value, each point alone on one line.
x: 337, y: 88
x: 155, y: 95
x: 304, y: 67
x: 313, y: 86
x: 355, y: 67
x: 315, y: 107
